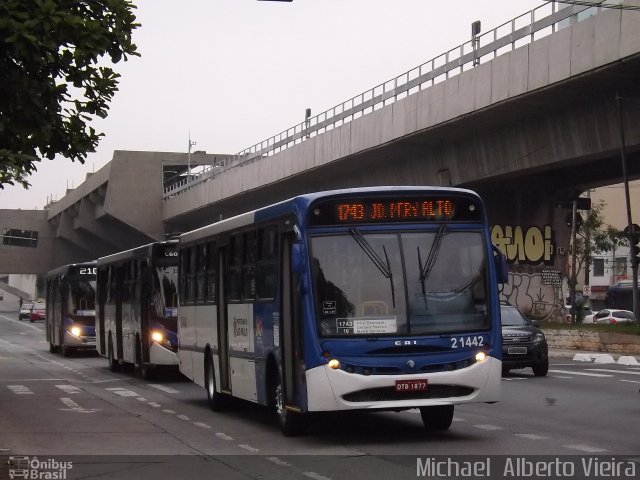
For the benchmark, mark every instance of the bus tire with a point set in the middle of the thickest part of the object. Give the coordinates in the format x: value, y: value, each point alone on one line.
x: 52, y: 348
x: 146, y: 371
x: 214, y: 398
x: 437, y: 418
x: 291, y: 423
x: 113, y: 363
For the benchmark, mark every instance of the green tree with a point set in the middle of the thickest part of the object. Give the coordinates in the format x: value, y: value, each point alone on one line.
x: 593, y: 235
x: 55, y: 78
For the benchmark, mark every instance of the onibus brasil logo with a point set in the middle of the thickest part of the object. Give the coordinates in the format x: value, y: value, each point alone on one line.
x: 37, y: 469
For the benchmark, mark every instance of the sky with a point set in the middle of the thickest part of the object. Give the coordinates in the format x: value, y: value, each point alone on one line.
x: 230, y: 73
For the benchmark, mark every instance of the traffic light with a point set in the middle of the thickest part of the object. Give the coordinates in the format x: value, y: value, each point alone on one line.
x: 635, y: 249
x: 633, y: 234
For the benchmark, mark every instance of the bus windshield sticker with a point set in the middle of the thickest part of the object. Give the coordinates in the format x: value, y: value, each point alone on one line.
x: 329, y: 307
x: 366, y: 325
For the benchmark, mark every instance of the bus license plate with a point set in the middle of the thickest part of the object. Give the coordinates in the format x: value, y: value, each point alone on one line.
x: 410, y: 385
x: 517, y: 350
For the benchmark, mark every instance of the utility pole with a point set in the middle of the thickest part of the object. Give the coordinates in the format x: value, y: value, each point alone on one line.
x: 572, y: 283
x: 630, y: 225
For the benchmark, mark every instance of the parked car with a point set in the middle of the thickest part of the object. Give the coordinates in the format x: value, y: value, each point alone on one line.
x: 523, y: 344
x: 613, y: 316
x: 37, y: 312
x: 25, y: 310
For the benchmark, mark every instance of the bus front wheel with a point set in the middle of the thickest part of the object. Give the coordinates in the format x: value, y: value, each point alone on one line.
x: 291, y: 423
x: 214, y: 398
x: 437, y: 418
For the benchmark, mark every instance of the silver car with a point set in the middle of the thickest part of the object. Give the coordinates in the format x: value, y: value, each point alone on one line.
x: 613, y: 316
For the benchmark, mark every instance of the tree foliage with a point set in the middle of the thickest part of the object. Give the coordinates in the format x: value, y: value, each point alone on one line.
x: 595, y: 236
x: 55, y: 78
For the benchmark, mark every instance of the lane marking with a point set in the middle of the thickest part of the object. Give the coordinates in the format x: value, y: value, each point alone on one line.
x: 69, y: 389
x: 559, y: 376
x: 488, y: 427
x: 224, y: 436
x: 164, y: 388
x: 123, y: 392
x: 315, y: 476
x: 531, y: 436
x: 249, y: 448
x: 630, y: 381
x: 155, y: 405
x: 581, y: 373
x: 277, y: 461
x: 141, y: 399
x: 183, y: 417
x: 74, y: 407
x: 585, y: 448
x: 166, y: 410
x: 202, y: 425
x: 20, y: 389
x: 614, y: 371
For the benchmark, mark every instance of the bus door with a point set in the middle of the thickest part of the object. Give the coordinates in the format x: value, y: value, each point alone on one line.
x: 146, y: 284
x: 223, y: 338
x: 291, y: 326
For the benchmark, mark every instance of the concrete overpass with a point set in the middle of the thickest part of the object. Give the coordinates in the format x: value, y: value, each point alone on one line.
x: 538, y: 120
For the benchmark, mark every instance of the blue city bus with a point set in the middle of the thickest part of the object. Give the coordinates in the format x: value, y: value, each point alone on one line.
x: 137, y: 314
x: 71, y: 308
x: 381, y: 298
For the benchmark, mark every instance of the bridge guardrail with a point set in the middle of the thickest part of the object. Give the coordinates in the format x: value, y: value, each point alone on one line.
x: 526, y: 28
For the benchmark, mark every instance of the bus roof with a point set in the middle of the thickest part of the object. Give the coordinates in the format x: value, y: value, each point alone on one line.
x: 300, y: 202
x: 137, y: 252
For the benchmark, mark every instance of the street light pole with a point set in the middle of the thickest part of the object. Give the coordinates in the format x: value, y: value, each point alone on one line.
x: 630, y: 225
x: 191, y: 144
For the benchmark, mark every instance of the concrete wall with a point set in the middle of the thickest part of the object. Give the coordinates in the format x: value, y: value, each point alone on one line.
x: 593, y: 341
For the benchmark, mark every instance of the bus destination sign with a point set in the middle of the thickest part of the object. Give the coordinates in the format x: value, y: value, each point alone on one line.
x: 393, y: 210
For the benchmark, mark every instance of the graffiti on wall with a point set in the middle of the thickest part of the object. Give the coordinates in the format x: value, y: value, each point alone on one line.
x: 525, y: 245
x: 534, y: 285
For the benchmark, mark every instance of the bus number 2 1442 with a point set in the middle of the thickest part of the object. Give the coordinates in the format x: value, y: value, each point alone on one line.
x: 472, y: 341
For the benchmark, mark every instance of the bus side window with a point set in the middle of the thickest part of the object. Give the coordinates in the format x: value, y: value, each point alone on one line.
x: 249, y: 265
x: 266, y: 276
x: 235, y: 268
x: 211, y: 272
x: 201, y: 278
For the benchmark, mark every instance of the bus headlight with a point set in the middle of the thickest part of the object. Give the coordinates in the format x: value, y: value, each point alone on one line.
x: 75, y: 331
x: 334, y: 363
x: 157, y: 336
x: 481, y: 357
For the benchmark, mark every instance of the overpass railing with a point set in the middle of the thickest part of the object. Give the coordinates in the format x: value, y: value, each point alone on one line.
x: 524, y: 29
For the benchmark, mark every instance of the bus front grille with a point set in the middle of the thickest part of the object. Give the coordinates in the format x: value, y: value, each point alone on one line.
x: 389, y: 394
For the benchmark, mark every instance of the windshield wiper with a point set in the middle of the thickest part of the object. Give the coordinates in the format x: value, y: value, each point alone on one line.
x: 425, y: 270
x: 383, y: 266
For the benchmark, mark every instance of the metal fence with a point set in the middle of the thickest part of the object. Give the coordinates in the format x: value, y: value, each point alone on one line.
x: 524, y: 29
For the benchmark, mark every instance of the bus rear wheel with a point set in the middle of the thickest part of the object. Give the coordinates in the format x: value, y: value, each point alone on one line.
x: 291, y: 423
x: 214, y: 398
x: 437, y: 418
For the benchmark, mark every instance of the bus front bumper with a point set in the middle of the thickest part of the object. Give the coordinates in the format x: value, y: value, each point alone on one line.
x: 329, y: 389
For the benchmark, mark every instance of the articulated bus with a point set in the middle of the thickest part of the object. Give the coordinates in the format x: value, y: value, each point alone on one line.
x: 136, y: 322
x: 381, y: 298
x: 71, y: 308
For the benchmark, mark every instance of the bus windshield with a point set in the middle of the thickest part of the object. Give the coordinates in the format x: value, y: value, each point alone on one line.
x: 166, y: 294
x: 81, y: 300
x: 399, y: 283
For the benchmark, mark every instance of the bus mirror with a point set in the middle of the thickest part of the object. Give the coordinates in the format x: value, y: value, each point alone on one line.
x: 501, y: 266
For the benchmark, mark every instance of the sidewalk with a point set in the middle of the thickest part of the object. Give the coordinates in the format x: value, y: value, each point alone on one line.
x: 569, y: 354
